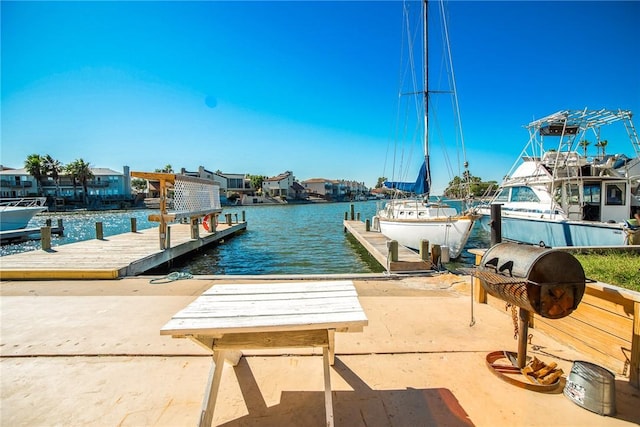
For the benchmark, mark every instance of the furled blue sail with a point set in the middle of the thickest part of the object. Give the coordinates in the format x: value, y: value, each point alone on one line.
x: 421, y: 186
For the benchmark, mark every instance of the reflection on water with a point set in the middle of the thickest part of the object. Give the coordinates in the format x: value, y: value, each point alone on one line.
x: 280, y: 239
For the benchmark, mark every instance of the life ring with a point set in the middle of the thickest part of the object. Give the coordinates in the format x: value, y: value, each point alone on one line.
x: 206, y: 222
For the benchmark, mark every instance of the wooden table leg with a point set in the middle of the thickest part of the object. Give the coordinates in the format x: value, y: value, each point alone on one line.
x: 211, y: 391
x: 328, y: 401
x: 331, y: 338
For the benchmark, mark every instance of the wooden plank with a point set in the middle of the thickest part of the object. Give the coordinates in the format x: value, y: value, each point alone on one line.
x: 262, y: 340
x: 154, y: 176
x: 201, y: 308
x: 203, y: 326
x: 634, y: 368
x: 285, y: 295
x: 615, y: 363
x: 603, y: 320
x: 328, y: 402
x: 289, y: 287
x: 594, y: 338
x: 613, y: 301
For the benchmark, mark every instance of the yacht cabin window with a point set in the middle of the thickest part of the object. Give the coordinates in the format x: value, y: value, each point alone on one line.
x: 503, y: 197
x: 591, y: 193
x: 615, y: 194
x: 523, y: 194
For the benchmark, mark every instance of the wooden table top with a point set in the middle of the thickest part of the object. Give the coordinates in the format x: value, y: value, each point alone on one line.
x: 277, y: 307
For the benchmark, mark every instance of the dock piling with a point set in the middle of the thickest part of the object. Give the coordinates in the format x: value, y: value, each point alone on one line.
x: 134, y: 225
x: 424, y: 250
x: 45, y: 238
x: 435, y: 254
x: 393, y: 250
x: 99, y: 231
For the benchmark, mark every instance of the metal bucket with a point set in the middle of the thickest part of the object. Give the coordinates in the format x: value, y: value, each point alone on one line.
x: 592, y: 387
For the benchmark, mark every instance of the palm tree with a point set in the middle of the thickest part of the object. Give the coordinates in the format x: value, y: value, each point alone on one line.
x: 603, y: 144
x: 81, y: 171
x: 166, y: 169
x: 584, y: 144
x: 53, y: 168
x: 35, y: 165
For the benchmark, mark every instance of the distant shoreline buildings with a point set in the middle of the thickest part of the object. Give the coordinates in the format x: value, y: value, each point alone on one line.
x: 110, y: 189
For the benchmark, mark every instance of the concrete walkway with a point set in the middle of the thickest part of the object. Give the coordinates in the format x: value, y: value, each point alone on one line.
x: 89, y: 353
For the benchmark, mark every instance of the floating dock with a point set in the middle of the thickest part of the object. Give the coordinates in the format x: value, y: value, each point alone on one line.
x: 376, y: 244
x: 121, y: 255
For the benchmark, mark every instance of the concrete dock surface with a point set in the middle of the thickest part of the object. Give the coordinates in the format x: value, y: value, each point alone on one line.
x: 89, y: 353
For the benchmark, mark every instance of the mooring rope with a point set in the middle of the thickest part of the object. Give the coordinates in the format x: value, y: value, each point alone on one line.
x: 172, y: 277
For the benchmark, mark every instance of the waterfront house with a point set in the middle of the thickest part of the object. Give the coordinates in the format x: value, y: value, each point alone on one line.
x: 337, y: 190
x: 230, y: 183
x: 279, y: 186
x: 106, y: 186
x: 319, y: 187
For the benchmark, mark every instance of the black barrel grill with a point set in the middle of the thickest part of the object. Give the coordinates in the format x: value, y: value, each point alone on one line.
x: 544, y: 281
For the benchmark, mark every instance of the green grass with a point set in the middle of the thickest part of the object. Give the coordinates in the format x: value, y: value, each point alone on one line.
x: 616, y: 268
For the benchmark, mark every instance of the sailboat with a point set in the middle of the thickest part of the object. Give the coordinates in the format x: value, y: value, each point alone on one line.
x: 410, y: 220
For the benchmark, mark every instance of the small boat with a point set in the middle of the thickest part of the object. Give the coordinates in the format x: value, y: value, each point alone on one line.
x: 15, y: 214
x: 409, y: 217
x: 562, y: 197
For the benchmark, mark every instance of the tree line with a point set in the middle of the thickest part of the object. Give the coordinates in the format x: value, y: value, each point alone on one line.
x: 460, y: 188
x: 41, y: 167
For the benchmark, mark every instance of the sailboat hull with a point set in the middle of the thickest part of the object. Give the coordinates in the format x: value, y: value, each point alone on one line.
x: 440, y: 226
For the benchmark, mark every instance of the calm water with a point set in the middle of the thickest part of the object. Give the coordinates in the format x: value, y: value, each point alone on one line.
x: 282, y: 239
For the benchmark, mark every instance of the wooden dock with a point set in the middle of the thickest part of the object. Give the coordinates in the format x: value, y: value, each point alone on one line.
x: 121, y: 255
x: 376, y: 243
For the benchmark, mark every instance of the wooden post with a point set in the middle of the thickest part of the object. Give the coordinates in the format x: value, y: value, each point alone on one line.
x: 352, y: 209
x: 634, y: 364
x: 195, y: 228
x: 99, y: 231
x: 47, y: 222
x: 60, y: 227
x: 523, y: 328
x: 134, y: 225
x: 367, y: 225
x: 45, y: 238
x: 358, y: 216
x: 424, y: 250
x: 496, y: 224
x: 435, y: 255
x: 244, y: 216
x: 481, y: 293
x: 393, y: 250
x: 346, y: 216
x: 236, y: 218
x: 228, y: 217
x: 166, y: 243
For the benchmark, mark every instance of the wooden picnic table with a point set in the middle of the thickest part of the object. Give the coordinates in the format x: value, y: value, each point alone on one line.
x: 227, y: 319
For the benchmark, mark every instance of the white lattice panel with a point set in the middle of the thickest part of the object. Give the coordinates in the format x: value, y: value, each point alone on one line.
x: 195, y: 195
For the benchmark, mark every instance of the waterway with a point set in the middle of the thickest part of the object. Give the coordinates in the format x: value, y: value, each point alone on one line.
x: 280, y: 239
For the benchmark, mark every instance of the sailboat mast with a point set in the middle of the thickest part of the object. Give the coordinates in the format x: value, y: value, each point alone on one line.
x: 425, y: 95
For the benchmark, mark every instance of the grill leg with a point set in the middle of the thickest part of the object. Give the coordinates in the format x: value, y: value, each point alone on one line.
x: 523, y: 329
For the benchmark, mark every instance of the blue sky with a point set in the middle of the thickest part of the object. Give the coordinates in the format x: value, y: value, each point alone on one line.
x: 268, y: 86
